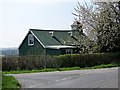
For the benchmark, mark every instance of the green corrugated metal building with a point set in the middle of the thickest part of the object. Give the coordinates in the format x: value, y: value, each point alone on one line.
x: 51, y: 42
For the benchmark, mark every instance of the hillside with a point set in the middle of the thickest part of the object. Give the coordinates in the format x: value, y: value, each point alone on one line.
x: 9, y: 51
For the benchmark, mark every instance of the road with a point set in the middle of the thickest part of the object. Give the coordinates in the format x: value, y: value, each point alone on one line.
x: 94, y: 78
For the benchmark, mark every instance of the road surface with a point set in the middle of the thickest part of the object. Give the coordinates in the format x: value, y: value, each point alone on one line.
x: 94, y: 78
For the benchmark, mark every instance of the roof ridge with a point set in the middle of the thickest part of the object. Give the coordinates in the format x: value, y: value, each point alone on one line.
x: 47, y: 30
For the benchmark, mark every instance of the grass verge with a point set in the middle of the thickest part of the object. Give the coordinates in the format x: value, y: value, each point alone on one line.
x: 0, y: 80
x: 10, y: 83
x: 60, y: 69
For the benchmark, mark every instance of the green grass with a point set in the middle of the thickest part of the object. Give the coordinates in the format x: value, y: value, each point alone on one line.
x: 94, y: 67
x: 60, y: 69
x: 0, y: 80
x: 105, y: 66
x: 9, y: 82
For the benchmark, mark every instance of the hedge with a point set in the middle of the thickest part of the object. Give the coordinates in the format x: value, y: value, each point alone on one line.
x: 88, y: 60
x: 68, y: 60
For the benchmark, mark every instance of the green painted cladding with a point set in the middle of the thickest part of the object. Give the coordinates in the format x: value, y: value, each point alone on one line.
x: 26, y: 50
x: 53, y: 51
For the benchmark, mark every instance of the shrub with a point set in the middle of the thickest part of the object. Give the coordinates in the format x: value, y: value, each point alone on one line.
x: 31, y: 62
x: 88, y: 60
x: 9, y: 63
x: 68, y: 60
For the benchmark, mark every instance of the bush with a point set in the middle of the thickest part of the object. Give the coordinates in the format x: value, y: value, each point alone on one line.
x: 31, y: 62
x: 9, y: 63
x: 68, y: 60
x: 88, y: 60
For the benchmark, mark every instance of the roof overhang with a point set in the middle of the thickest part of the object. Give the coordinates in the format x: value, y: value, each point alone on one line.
x: 59, y: 46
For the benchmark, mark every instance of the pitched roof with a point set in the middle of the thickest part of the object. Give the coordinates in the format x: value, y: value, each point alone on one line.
x: 64, y: 38
x: 60, y: 37
x: 44, y: 37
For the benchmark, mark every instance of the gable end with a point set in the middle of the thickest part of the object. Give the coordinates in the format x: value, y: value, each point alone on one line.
x: 35, y: 38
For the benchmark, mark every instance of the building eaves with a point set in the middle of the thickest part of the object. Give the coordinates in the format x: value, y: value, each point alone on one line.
x: 59, y: 46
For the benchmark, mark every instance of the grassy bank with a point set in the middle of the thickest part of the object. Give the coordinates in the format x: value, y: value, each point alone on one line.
x: 60, y: 69
x: 9, y: 82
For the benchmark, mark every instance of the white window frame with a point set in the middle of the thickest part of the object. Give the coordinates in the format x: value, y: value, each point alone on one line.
x: 30, y: 38
x: 69, y: 51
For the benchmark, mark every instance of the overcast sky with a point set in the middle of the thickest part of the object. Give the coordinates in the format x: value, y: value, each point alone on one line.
x: 18, y: 16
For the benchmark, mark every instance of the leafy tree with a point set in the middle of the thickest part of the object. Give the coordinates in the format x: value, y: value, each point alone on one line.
x: 86, y: 16
x: 108, y: 27
x: 101, y: 21
x: 82, y: 41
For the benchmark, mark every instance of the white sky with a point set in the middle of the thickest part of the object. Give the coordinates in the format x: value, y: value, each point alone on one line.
x: 18, y: 16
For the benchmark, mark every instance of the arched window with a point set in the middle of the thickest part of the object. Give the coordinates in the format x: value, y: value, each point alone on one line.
x: 30, y: 40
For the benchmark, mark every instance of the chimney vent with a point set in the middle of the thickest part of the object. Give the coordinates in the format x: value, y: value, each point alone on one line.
x: 52, y: 33
x: 71, y: 33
